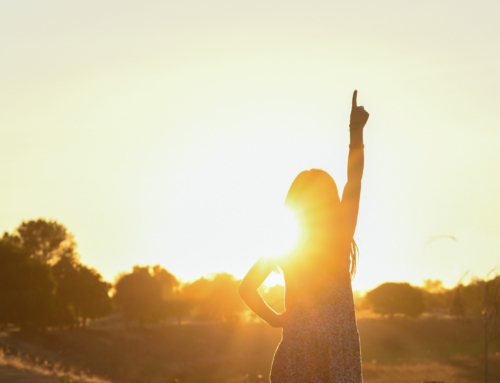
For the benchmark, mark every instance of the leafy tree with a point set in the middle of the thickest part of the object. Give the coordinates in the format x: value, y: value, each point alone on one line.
x: 472, y: 297
x: 82, y: 290
x: 177, y: 308
x: 168, y: 281
x: 396, y: 298
x: 26, y: 289
x: 47, y: 246
x: 216, y: 298
x: 457, y: 307
x: 11, y: 238
x: 44, y: 240
x: 150, y: 293
x: 139, y: 295
x: 173, y: 305
x: 195, y: 293
x: 491, y: 314
x: 434, y: 286
x: 94, y: 300
x: 437, y: 298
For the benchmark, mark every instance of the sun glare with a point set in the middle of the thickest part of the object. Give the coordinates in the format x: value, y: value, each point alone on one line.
x: 286, y: 232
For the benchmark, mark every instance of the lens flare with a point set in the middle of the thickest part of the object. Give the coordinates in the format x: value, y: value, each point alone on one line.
x: 286, y: 232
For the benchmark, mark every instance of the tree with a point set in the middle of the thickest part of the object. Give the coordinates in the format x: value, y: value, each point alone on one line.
x: 173, y: 305
x: 216, y: 298
x: 26, y: 289
x: 82, y: 290
x: 94, y: 300
x: 457, y: 307
x: 139, y: 295
x: 433, y: 286
x: 45, y: 240
x: 77, y: 293
x: 168, y: 281
x: 396, y: 298
x: 436, y: 297
x: 491, y: 316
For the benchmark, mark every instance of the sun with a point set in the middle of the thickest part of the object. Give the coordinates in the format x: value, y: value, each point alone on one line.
x: 286, y: 232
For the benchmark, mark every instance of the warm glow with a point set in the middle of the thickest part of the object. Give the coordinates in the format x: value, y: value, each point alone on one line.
x: 169, y: 132
x: 286, y: 234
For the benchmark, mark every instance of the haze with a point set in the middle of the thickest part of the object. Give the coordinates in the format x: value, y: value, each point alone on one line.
x: 169, y: 132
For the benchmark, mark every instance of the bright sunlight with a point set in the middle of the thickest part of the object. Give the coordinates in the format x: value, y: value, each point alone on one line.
x: 286, y: 234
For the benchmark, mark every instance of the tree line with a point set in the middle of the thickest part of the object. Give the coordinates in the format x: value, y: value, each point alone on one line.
x: 461, y: 301
x: 43, y: 283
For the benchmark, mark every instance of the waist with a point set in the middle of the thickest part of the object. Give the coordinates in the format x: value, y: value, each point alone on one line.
x: 336, y: 295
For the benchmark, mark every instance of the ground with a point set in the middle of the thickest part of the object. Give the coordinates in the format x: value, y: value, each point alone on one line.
x: 393, y: 350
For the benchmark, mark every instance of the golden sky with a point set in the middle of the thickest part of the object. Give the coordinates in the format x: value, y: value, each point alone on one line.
x: 169, y: 132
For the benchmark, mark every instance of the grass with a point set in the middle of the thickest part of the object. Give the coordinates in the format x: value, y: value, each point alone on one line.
x: 393, y: 350
x: 16, y: 367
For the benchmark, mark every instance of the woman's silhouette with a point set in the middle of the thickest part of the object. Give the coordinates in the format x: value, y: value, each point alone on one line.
x: 320, y: 341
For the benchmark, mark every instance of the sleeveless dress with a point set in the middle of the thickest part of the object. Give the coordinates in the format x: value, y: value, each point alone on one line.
x: 320, y: 340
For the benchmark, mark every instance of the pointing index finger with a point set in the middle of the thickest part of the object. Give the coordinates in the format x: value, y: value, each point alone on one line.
x: 354, y: 99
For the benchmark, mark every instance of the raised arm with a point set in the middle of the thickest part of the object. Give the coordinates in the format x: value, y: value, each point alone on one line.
x: 248, y: 292
x: 355, y: 165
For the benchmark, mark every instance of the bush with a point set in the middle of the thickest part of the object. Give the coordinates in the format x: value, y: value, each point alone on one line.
x: 396, y: 298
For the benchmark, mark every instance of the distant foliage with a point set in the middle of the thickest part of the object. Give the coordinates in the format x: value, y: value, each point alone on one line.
x: 43, y: 283
x: 491, y: 310
x: 81, y: 290
x: 26, y: 289
x: 477, y: 298
x: 149, y: 294
x: 43, y: 280
x: 216, y: 298
x: 168, y: 281
x: 172, y: 305
x: 397, y: 298
x: 139, y: 295
x: 45, y: 240
x: 437, y: 298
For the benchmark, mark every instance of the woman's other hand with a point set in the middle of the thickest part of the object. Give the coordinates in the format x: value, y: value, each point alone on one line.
x: 359, y: 115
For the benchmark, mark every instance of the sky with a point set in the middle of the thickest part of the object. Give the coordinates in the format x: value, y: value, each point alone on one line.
x: 169, y: 132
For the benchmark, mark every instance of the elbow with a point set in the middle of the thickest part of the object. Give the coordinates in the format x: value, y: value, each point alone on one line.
x: 352, y: 189
x: 245, y: 291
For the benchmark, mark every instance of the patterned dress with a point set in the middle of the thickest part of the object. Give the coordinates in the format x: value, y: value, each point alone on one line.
x: 320, y: 340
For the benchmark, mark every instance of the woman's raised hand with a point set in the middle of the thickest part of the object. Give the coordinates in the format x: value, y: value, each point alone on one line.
x: 359, y: 115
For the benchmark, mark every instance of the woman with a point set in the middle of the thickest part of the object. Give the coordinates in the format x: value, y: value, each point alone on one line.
x: 320, y: 341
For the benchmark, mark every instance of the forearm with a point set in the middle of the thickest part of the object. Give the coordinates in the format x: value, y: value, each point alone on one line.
x: 356, y: 158
x: 255, y: 302
x: 355, y: 165
x: 356, y: 134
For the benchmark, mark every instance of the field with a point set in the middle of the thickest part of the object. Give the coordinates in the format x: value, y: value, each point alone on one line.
x: 393, y: 350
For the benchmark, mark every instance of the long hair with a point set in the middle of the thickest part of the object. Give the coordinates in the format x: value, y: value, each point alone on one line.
x: 314, y: 196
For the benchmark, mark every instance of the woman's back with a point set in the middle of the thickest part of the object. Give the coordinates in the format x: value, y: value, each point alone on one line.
x: 312, y: 283
x: 313, y: 275
x: 320, y: 336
